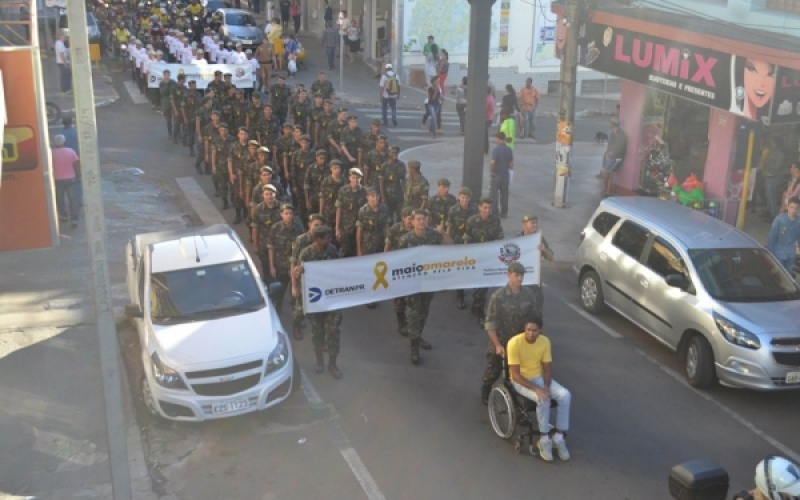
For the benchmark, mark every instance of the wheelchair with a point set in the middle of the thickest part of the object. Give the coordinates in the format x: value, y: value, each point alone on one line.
x: 507, y: 409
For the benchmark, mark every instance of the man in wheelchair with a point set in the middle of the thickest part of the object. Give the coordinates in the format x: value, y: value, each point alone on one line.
x: 530, y: 365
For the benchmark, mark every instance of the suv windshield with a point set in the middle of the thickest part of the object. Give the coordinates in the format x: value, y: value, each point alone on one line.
x: 238, y: 19
x: 200, y: 293
x: 743, y: 275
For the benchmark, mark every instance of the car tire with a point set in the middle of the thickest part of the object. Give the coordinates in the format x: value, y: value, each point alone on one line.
x: 699, y: 362
x: 591, y: 293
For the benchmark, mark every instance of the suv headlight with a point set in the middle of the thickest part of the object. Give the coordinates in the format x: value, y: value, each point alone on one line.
x: 166, y: 376
x: 279, y: 356
x: 735, y: 334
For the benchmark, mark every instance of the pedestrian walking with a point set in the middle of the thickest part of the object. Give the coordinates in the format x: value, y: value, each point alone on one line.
x: 774, y: 174
x: 506, y: 313
x: 329, y: 193
x: 353, y: 40
x: 501, y: 167
x: 265, y: 215
x: 784, y: 235
x: 66, y: 169
x: 509, y: 102
x: 285, y: 7
x: 330, y: 42
x: 614, y: 156
x: 63, y: 61
x: 324, y: 326
x: 508, y: 126
x: 461, y: 103
x: 433, y: 107
x: 442, y: 69
x: 489, y: 117
x: 528, y: 102
x: 294, y: 10
x: 396, y: 233
x: 373, y: 163
x: 390, y: 91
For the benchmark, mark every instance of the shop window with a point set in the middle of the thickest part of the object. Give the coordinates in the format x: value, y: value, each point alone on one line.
x: 791, y: 6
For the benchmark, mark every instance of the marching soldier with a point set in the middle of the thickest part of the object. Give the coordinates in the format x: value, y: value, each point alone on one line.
x: 268, y: 129
x: 457, y: 224
x: 439, y: 206
x: 282, y: 237
x: 279, y: 98
x: 312, y: 185
x: 329, y: 192
x: 321, y: 121
x: 418, y: 305
x: 370, y: 138
x: 530, y: 225
x: 265, y: 215
x: 301, y: 160
x: 350, y: 145
x: 348, y: 202
x: 239, y: 106
x: 334, y: 134
x: 372, y: 227
x: 396, y: 232
x: 219, y: 162
x: 280, y: 150
x: 191, y: 101
x: 178, y: 95
x: 238, y: 155
x: 301, y: 111
x: 253, y: 113
x: 216, y: 84
x: 210, y: 133
x: 323, y: 86
x: 506, y: 313
x: 201, y: 121
x: 481, y: 228
x: 417, y: 187
x: 265, y: 178
x: 391, y: 181
x: 324, y: 326
x: 251, y: 175
x: 300, y: 243
x: 166, y: 88
x: 373, y: 163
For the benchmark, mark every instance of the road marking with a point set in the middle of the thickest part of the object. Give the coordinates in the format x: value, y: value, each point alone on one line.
x: 785, y: 450
x: 133, y: 91
x: 209, y: 214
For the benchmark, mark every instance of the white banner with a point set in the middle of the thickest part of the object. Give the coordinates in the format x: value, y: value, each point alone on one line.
x: 338, y: 284
x: 202, y: 74
x: 61, y: 4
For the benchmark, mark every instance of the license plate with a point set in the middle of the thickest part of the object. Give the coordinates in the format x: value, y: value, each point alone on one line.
x: 235, y: 405
x: 247, y: 42
x: 793, y: 378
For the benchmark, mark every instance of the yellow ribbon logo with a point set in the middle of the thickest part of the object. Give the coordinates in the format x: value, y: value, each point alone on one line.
x: 380, y: 270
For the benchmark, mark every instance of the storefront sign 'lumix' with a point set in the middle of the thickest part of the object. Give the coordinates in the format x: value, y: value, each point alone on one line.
x: 694, y: 73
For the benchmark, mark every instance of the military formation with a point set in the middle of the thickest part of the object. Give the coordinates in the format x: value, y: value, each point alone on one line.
x: 313, y: 186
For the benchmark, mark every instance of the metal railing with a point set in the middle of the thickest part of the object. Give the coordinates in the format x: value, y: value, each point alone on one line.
x: 17, y: 23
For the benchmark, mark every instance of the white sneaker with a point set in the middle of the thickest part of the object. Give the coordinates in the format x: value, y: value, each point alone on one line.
x: 545, y: 449
x: 561, y: 447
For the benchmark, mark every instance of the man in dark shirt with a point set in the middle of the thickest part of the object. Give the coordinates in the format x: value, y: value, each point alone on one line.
x: 615, y: 154
x: 500, y: 167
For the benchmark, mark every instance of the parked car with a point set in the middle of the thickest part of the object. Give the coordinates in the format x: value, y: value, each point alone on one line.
x: 699, y: 286
x: 239, y: 26
x: 211, y: 342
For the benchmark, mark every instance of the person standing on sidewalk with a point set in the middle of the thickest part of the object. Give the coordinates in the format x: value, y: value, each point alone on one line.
x: 528, y: 102
x: 489, y: 117
x: 330, y: 41
x: 500, y: 167
x: 615, y: 154
x: 784, y: 237
x: 433, y: 107
x: 353, y: 40
x: 295, y: 12
x: 443, y: 68
x: 390, y: 91
x: 64, y: 66
x: 286, y: 13
x: 461, y: 103
x: 66, y: 166
x: 431, y: 53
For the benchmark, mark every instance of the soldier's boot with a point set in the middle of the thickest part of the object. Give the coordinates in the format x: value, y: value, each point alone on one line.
x: 401, y: 323
x: 224, y: 202
x: 320, y: 366
x: 485, y: 390
x: 460, y: 299
x: 216, y: 187
x: 332, y: 368
x: 372, y: 305
x: 238, y: 217
x: 415, y: 352
x: 423, y: 344
x: 297, y: 332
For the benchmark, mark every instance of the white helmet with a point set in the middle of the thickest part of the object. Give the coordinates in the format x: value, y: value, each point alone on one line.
x: 776, y: 475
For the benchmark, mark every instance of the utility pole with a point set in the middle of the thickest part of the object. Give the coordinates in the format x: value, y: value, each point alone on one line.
x: 96, y: 236
x: 566, y: 112
x: 341, y: 60
x: 480, y: 28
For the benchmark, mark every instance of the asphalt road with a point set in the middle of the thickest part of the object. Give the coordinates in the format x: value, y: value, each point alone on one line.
x: 392, y: 430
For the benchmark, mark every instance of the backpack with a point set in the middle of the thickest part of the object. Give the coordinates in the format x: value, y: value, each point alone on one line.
x: 392, y: 88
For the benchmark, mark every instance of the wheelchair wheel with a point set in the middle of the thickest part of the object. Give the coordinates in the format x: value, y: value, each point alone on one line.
x: 502, y: 413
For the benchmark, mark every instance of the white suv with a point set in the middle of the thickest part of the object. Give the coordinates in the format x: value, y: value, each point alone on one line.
x: 212, y: 344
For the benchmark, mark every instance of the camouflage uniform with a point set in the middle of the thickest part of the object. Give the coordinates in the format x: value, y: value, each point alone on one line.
x: 220, y: 147
x: 334, y: 131
x: 393, y: 176
x: 373, y: 224
x: 239, y: 108
x: 325, y: 325
x: 373, y: 163
x: 282, y: 147
x: 280, y: 194
x: 505, y: 314
x: 281, y: 241
x: 279, y: 98
x: 238, y: 155
x: 418, y: 305
x: 267, y: 131
x: 165, y: 89
x: 253, y: 114
x: 439, y: 208
x: 416, y: 191
x: 312, y: 185
x: 264, y: 217
x: 300, y: 244
x: 538, y: 293
x: 480, y: 231
x: 350, y: 202
x: 456, y: 225
x: 324, y: 121
x: 325, y: 89
x: 301, y: 114
x: 351, y: 138
x: 329, y: 192
x: 396, y: 233
x: 301, y: 160
x: 191, y: 103
x: 178, y: 94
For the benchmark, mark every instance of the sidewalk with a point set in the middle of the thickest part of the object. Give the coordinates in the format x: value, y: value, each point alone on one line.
x: 532, y: 188
x: 104, y: 92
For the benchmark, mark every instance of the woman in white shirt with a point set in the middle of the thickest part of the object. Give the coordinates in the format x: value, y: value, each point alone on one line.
x: 353, y: 39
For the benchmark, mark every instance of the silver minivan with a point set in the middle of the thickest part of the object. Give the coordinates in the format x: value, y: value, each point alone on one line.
x: 700, y: 286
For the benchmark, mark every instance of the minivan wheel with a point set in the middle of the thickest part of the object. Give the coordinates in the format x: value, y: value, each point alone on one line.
x: 592, y: 293
x: 147, y: 398
x: 699, y: 362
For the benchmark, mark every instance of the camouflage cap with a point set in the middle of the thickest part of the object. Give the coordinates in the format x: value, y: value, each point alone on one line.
x: 215, y: 112
x: 252, y: 142
x: 465, y: 190
x: 265, y: 150
x: 256, y: 94
x: 371, y: 191
x: 287, y: 125
x: 394, y: 148
x: 321, y: 152
x: 305, y: 137
x: 352, y: 117
x: 287, y: 206
x: 266, y: 169
x: 415, y: 164
x: 243, y: 129
x: 313, y: 217
x: 443, y: 182
x: 516, y: 268
x: 223, y: 125
x: 341, y: 110
x: 269, y: 187
x: 380, y: 137
x: 485, y: 200
x: 355, y: 171
x: 406, y: 211
x: 376, y: 121
x: 420, y: 211
x: 529, y: 217
x: 336, y: 162
x: 321, y: 230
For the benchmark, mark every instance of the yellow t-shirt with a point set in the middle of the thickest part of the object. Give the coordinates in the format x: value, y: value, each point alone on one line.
x: 529, y: 357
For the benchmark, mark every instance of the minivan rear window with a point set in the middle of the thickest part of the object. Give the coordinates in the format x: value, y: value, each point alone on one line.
x: 604, y: 222
x: 630, y: 238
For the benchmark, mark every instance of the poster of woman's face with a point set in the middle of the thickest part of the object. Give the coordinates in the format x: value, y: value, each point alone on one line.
x: 753, y: 84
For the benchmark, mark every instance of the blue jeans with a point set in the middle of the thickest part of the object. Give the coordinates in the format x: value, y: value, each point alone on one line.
x: 499, y: 185
x: 389, y: 102
x: 773, y: 186
x: 558, y: 394
x: 66, y: 77
x: 330, y: 52
x: 527, y: 122
x: 433, y: 111
x: 66, y: 189
x: 788, y: 263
